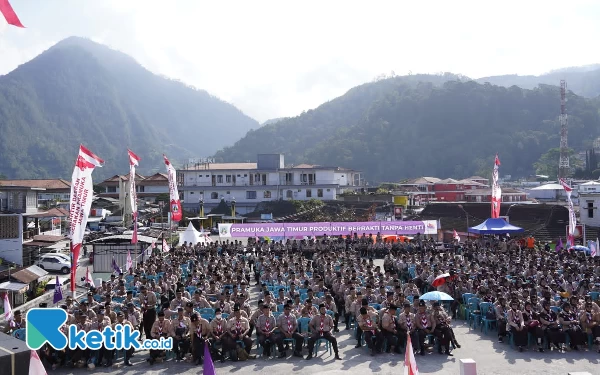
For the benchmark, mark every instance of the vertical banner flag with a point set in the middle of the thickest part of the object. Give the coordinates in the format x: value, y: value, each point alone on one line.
x: 36, y: 367
x: 496, y: 191
x: 88, y: 279
x: 8, y: 314
x: 559, y: 246
x: 81, y: 202
x: 572, y: 217
x: 133, y: 162
x: 115, y: 266
x: 410, y: 365
x: 129, y: 261
x: 9, y: 14
x: 58, y: 296
x: 175, y: 206
x: 165, y: 246
x: 455, y: 235
x: 208, y: 367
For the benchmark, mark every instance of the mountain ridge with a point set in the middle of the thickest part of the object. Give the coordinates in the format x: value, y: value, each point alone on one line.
x: 79, y: 91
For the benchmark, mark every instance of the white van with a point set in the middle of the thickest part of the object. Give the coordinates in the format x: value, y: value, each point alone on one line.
x: 51, y: 285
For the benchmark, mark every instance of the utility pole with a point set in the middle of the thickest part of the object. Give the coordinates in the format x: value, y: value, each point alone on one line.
x: 563, y: 164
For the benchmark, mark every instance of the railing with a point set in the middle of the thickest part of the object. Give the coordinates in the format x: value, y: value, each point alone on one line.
x: 266, y: 183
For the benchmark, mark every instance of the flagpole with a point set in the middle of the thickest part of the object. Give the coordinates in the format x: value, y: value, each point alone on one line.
x: 73, y: 273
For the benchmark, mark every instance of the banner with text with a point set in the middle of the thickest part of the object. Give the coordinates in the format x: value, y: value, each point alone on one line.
x: 329, y: 229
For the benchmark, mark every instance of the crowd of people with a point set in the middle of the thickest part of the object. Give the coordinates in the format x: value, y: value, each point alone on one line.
x: 203, y: 296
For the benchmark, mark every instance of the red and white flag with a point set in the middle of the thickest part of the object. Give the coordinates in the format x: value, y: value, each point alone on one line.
x: 572, y: 217
x: 410, y: 365
x: 455, y: 235
x: 8, y: 314
x: 9, y: 14
x: 496, y: 190
x: 175, y: 206
x: 82, y: 190
x: 165, y: 246
x: 133, y: 162
x: 88, y: 279
x: 36, y: 367
x: 129, y: 261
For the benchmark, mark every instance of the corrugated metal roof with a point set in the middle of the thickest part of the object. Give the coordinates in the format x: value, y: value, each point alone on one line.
x: 141, y: 238
x: 29, y: 274
x: 14, y: 286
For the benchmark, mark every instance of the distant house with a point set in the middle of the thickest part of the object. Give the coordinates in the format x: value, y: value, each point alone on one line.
x: 53, y: 190
x: 147, y: 187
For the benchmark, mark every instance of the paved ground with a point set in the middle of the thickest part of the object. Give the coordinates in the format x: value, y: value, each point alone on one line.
x: 491, y: 358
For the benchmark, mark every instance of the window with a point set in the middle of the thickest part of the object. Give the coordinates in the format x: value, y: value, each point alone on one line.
x: 590, y: 209
x: 289, y: 178
x: 288, y: 194
x: 250, y: 195
x: 191, y: 192
x: 320, y: 193
x: 111, y: 189
x: 267, y: 194
x: 228, y: 178
x: 199, y: 176
x: 308, y: 193
x: 214, y: 195
x: 220, y: 179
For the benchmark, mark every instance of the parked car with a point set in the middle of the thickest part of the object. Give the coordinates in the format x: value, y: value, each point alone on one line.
x: 51, y: 285
x: 54, y: 262
x: 60, y: 255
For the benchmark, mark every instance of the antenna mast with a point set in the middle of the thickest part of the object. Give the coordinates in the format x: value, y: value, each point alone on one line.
x: 563, y: 164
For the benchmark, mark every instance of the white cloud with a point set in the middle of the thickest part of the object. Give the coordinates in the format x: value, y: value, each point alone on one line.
x: 276, y: 58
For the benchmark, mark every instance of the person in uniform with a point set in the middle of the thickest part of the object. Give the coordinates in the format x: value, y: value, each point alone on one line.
x: 500, y: 310
x: 181, y: 334
x: 589, y: 322
x: 288, y: 326
x: 425, y: 325
x: 516, y: 325
x: 321, y: 326
x: 80, y: 356
x: 103, y: 321
x: 331, y: 306
x: 148, y: 304
x: 200, y: 328
x: 123, y: 322
x: 391, y: 329
x: 265, y: 328
x: 531, y: 320
x: 219, y: 333
x: 373, y: 336
x: 238, y: 327
x: 550, y: 324
x: 571, y: 326
x: 16, y: 323
x: 442, y: 328
x: 160, y: 328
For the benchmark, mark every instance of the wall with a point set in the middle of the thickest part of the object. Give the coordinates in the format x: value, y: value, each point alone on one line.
x: 11, y: 238
x: 583, y: 211
x: 155, y: 189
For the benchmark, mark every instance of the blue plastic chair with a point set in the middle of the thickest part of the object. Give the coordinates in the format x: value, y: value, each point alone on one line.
x: 19, y: 334
x: 473, y: 311
x: 595, y: 295
x: 486, y: 323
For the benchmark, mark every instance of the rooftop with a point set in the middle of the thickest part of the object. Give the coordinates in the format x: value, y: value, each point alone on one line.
x: 222, y: 166
x: 58, y: 184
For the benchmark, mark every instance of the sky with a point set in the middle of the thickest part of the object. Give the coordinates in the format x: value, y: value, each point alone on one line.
x: 278, y: 58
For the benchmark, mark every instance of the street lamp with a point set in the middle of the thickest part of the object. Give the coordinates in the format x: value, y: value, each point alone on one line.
x: 233, y: 207
x: 201, y: 204
x: 467, y: 214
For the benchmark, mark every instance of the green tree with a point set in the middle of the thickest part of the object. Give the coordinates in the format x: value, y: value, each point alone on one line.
x: 547, y: 164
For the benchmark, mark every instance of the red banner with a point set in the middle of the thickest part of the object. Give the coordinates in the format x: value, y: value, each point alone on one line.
x: 175, y: 203
x: 81, y: 202
x: 133, y: 162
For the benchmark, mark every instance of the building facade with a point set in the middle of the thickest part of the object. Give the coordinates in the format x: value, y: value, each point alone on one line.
x: 49, y: 192
x: 589, y: 201
x: 269, y: 179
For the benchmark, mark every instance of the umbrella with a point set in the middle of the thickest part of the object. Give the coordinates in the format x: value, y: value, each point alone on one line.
x: 581, y: 248
x: 436, y: 296
x: 441, y: 279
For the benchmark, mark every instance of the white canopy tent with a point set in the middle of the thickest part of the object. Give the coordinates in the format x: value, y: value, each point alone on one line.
x: 191, y: 235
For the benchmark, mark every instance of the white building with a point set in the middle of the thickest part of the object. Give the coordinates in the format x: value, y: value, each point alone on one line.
x: 589, y: 201
x: 267, y: 180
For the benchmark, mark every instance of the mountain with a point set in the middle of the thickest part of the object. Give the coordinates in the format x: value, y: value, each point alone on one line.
x: 79, y: 91
x: 582, y: 80
x: 404, y: 127
x: 273, y: 120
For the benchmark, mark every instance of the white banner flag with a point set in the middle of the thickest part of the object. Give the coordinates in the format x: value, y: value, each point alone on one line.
x: 133, y: 162
x: 175, y: 203
x: 165, y: 246
x: 82, y: 190
x: 129, y: 261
